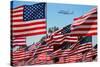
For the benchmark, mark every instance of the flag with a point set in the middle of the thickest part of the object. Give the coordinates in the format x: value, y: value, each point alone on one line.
x: 34, y: 46
x: 85, y: 25
x: 42, y: 56
x: 43, y: 49
x: 66, y: 52
x: 91, y: 53
x: 73, y: 58
x: 66, y: 29
x: 60, y: 39
x: 21, y: 41
x: 21, y: 54
x: 28, y: 20
x: 56, y: 53
x: 84, y: 45
x: 60, y: 36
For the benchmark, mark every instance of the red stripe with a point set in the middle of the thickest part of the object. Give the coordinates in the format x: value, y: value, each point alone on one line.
x: 84, y: 29
x: 30, y: 34
x: 17, y: 20
x: 19, y: 41
x: 86, y: 23
x: 29, y: 24
x: 16, y: 11
x: 19, y: 45
x: 19, y: 15
x: 84, y: 34
x: 38, y: 28
x: 63, y: 40
x: 91, y: 18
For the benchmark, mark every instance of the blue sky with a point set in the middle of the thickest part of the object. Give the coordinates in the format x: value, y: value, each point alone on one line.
x: 56, y: 19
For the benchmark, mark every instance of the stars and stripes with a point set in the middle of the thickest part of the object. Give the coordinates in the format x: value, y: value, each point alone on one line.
x: 28, y: 20
x: 85, y: 25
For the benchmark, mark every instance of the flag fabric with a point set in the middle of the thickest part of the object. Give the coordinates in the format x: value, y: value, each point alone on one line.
x: 28, y: 20
x: 21, y: 54
x: 73, y: 58
x: 59, y: 39
x: 56, y: 53
x: 83, y: 47
x: 43, y: 49
x: 85, y: 25
x: 84, y: 44
x: 66, y: 29
x: 91, y: 53
x: 34, y: 46
x: 21, y: 41
x: 42, y: 56
x: 60, y: 36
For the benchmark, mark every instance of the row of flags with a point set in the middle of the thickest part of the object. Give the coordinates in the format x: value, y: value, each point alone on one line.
x: 72, y: 43
x: 43, y: 52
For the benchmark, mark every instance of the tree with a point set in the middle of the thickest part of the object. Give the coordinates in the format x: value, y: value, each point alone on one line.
x: 53, y: 29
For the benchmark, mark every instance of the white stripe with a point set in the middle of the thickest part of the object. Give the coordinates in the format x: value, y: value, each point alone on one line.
x: 66, y: 40
x: 57, y: 36
x: 83, y: 21
x: 29, y: 32
x: 84, y: 27
x: 18, y: 13
x: 72, y: 40
x: 83, y: 32
x: 27, y: 22
x: 28, y: 27
x: 18, y: 40
x: 82, y: 50
x: 85, y: 46
x: 19, y: 43
x: 17, y: 18
x: 72, y: 37
x: 59, y: 40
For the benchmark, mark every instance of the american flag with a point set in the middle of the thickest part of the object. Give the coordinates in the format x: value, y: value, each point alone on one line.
x: 85, y: 25
x: 42, y: 56
x: 60, y: 36
x: 43, y: 49
x: 21, y: 54
x: 34, y: 46
x: 83, y: 45
x: 66, y: 29
x: 91, y: 53
x: 28, y: 20
x: 21, y: 41
x: 56, y: 53
x: 73, y: 58
x: 59, y: 39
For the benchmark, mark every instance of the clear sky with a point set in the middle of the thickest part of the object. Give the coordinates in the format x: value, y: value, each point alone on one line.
x: 57, y: 19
